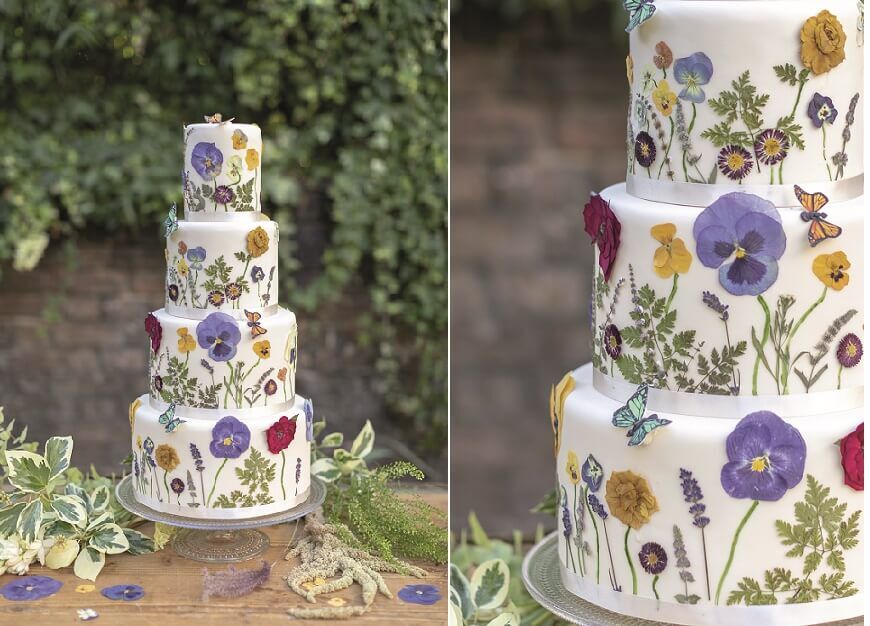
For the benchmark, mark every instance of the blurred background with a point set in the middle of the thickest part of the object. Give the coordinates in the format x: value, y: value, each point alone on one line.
x: 538, y: 105
x: 352, y: 100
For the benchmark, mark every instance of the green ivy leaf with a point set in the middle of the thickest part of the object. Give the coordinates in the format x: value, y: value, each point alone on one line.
x: 58, y: 452
x: 332, y: 440
x: 461, y: 589
x: 139, y: 543
x: 490, y: 584
x: 109, y: 538
x: 98, y: 499
x: 27, y: 471
x: 70, y: 509
x: 326, y: 470
x: 29, y: 520
x: 364, y: 441
x: 9, y: 519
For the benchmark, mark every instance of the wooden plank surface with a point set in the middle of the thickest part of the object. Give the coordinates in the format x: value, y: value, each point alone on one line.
x: 173, y: 589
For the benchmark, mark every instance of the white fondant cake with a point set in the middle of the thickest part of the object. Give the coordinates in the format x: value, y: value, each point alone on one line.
x: 222, y: 433
x: 710, y: 458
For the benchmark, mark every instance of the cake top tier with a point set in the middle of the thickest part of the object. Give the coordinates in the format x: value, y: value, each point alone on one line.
x: 755, y: 96
x: 221, y: 173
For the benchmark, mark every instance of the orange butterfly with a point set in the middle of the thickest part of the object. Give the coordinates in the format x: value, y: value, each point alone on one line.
x: 820, y: 228
x: 254, y: 323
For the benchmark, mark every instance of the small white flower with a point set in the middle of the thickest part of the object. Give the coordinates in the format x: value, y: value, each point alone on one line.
x: 87, y: 615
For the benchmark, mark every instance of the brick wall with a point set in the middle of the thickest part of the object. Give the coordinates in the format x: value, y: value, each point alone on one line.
x: 536, y: 126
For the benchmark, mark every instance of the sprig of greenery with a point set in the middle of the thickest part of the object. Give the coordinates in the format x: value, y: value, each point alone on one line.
x: 742, y: 103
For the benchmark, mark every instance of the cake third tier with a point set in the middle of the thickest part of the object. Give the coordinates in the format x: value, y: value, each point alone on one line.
x: 735, y: 298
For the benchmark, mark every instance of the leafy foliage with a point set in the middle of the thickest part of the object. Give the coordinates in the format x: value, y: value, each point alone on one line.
x: 352, y: 100
x: 741, y: 104
x: 821, y: 350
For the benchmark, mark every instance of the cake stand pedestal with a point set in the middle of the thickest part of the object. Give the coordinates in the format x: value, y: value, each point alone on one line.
x: 219, y: 540
x: 543, y: 580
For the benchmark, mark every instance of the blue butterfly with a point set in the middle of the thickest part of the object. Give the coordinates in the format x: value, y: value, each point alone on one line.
x: 169, y: 421
x: 639, y: 11
x: 170, y: 224
x: 631, y: 417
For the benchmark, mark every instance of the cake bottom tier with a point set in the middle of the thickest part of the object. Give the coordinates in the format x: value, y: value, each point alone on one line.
x: 711, y: 521
x: 222, y: 467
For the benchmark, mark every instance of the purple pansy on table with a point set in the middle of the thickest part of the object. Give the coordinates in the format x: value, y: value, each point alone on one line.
x: 692, y: 72
x: 123, y: 592
x: 308, y: 409
x: 766, y: 458
x: 741, y: 234
x: 195, y: 257
x: 229, y: 438
x: 821, y: 110
x: 219, y: 334
x: 420, y: 594
x: 207, y: 160
x: 30, y: 588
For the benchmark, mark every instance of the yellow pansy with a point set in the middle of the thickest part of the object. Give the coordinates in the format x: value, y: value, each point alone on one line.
x: 252, y: 158
x: 134, y: 406
x: 182, y: 267
x: 558, y: 395
x: 240, y: 140
x: 186, y: 342
x: 573, y: 468
x: 263, y: 349
x: 664, y: 98
x: 672, y: 257
x: 831, y: 269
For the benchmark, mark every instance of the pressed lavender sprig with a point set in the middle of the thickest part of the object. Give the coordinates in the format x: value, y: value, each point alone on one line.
x: 567, y: 529
x: 232, y: 583
x: 712, y: 301
x: 693, y: 495
x: 298, y: 473
x: 660, y: 133
x: 683, y: 564
x: 200, y: 466
x: 598, y: 508
x: 841, y: 159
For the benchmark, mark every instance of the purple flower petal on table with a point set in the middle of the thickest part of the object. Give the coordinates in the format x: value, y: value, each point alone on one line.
x: 420, y: 594
x: 123, y: 592
x: 30, y: 588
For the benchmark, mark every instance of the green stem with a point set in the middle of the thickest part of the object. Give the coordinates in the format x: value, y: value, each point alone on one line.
x: 734, y: 548
x: 570, y: 554
x: 825, y: 151
x: 795, y: 328
x: 655, y: 582
x: 798, y: 98
x: 839, y: 376
x: 165, y: 472
x: 610, y: 554
x: 771, y: 175
x: 630, y: 564
x: 672, y: 294
x: 283, y: 463
x: 694, y: 115
x: 764, y: 338
x: 667, y: 149
x: 218, y: 473
x: 597, y: 536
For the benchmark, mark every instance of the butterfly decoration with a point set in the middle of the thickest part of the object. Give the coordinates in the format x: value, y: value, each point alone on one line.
x: 170, y: 224
x: 820, y: 228
x: 217, y: 118
x: 169, y: 421
x: 254, y: 323
x: 630, y: 416
x: 639, y: 11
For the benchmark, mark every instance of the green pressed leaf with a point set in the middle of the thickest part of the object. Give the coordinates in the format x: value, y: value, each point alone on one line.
x: 98, y: 499
x: 70, y: 509
x: 139, y: 543
x: 9, y: 519
x: 362, y: 444
x: 89, y: 564
x: 109, y: 538
x: 27, y: 471
x: 460, y: 586
x: 490, y: 584
x: 58, y: 451
x: 326, y: 470
x: 332, y: 440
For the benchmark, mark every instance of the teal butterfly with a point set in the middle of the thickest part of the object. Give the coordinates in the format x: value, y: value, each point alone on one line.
x: 170, y: 224
x: 631, y: 417
x: 169, y: 421
x: 639, y: 11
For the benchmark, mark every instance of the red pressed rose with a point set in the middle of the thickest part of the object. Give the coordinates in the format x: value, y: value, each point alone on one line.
x: 281, y: 434
x: 154, y: 330
x: 852, y: 458
x: 604, y: 228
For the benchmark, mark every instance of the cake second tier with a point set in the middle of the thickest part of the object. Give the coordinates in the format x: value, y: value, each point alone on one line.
x: 738, y: 298
x: 223, y: 363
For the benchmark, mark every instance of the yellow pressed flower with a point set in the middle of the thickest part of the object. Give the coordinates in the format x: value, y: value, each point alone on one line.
x: 558, y: 395
x: 166, y: 457
x: 252, y: 159
x: 240, y: 140
x: 336, y: 602
x: 629, y: 69
x: 263, y: 349
x: 664, y: 98
x: 823, y: 43
x: 672, y: 257
x: 186, y: 342
x: 258, y: 242
x: 182, y: 267
x: 85, y: 588
x: 134, y: 406
x: 831, y: 269
x: 139, y: 442
x: 311, y: 584
x: 630, y: 499
x: 573, y: 468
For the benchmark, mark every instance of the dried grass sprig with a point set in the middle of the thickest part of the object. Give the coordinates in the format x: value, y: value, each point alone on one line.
x: 232, y: 583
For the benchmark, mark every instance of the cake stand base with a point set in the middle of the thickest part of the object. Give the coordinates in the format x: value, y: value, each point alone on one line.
x: 219, y: 540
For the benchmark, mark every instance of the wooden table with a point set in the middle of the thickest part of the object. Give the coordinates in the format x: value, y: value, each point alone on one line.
x: 173, y: 587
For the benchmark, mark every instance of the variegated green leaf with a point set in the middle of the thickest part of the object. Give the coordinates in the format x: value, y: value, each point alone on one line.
x: 109, y: 538
x: 461, y: 589
x: 103, y: 518
x: 505, y: 619
x: 364, y: 441
x: 70, y: 509
x: 60, y: 529
x: 9, y: 519
x: 27, y: 471
x: 58, y: 451
x: 346, y: 462
x: 139, y: 543
x: 326, y: 470
x: 489, y: 584
x: 332, y: 440
x: 99, y: 499
x: 89, y: 564
x: 29, y: 520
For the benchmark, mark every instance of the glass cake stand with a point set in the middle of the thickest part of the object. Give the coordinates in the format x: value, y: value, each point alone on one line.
x: 543, y: 580
x: 219, y: 540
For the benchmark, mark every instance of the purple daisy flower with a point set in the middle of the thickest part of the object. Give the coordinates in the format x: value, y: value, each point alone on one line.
x: 692, y: 72
x: 420, y: 594
x: 612, y: 341
x: 123, y: 592
x: 771, y: 146
x: 270, y: 387
x: 233, y: 291
x: 219, y: 334
x: 229, y: 438
x: 653, y: 558
x: 223, y: 194
x: 207, y: 160
x: 741, y: 234
x: 216, y: 297
x: 592, y: 473
x: 735, y: 162
x: 30, y: 588
x: 644, y: 149
x: 177, y: 485
x: 850, y: 350
x: 195, y: 256
x: 766, y: 458
x: 821, y: 110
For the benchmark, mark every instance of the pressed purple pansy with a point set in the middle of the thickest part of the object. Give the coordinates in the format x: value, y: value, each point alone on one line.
x: 158, y: 382
x: 771, y: 146
x: 123, y: 592
x: 644, y: 149
x: 195, y: 256
x: 257, y: 274
x: 735, y: 162
x: 223, y: 194
x: 612, y: 341
x: 30, y: 588
x: 270, y: 387
x: 219, y: 334
x: 850, y: 350
x: 148, y: 444
x: 592, y: 473
x: 766, y: 458
x: 420, y: 594
x: 653, y: 558
x: 207, y: 160
x: 692, y: 72
x: 172, y: 291
x: 229, y: 438
x: 741, y: 234
x: 821, y: 110
x: 308, y: 409
x: 604, y: 228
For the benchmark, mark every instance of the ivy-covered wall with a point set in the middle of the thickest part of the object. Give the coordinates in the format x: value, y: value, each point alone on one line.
x: 352, y: 99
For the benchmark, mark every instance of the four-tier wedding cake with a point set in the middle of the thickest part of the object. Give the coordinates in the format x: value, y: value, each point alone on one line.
x: 710, y: 457
x: 222, y: 433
